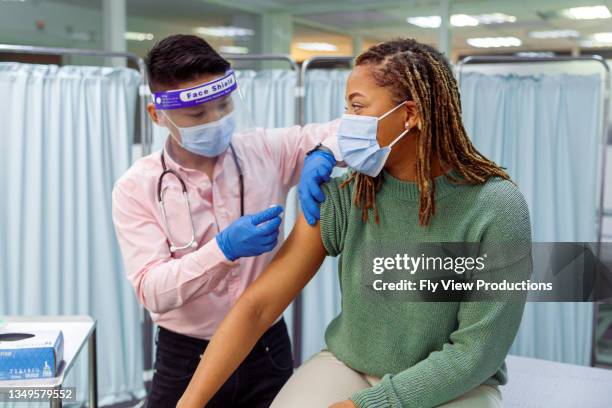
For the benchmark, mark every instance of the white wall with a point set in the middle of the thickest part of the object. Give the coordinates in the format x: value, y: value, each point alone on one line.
x: 18, y: 26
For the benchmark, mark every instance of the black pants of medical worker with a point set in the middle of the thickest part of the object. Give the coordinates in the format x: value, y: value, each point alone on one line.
x: 254, y: 384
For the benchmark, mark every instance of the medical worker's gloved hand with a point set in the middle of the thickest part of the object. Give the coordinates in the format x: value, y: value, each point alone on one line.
x: 251, y: 235
x: 318, y: 166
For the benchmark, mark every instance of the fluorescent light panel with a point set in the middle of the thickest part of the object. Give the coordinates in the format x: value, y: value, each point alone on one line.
x: 533, y: 54
x: 426, y: 21
x: 494, y: 42
x: 495, y: 18
x: 136, y: 36
x: 603, y: 37
x: 598, y: 40
x: 587, y: 13
x: 225, y: 31
x: 461, y: 20
x: 551, y: 34
x: 233, y: 49
x: 545, y: 35
x: 593, y: 44
x: 316, y: 46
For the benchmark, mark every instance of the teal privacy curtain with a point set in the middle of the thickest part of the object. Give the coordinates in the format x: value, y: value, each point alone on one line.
x: 66, y: 137
x: 269, y: 95
x: 545, y: 129
x: 324, y: 89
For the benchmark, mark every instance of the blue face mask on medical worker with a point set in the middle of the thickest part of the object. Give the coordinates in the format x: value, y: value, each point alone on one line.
x: 208, y: 139
x: 358, y: 144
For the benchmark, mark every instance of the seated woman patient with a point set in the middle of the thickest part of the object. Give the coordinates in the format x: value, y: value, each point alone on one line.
x: 415, y: 178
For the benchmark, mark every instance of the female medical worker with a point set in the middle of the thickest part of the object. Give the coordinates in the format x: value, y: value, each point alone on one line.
x: 387, y: 350
x: 198, y: 222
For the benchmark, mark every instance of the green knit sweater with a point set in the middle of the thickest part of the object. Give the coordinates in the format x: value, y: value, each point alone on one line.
x: 426, y: 352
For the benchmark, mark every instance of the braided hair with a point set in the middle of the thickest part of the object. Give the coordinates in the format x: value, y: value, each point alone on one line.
x: 418, y: 72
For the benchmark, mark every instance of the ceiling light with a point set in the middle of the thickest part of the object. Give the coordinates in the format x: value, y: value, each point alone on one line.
x: 598, y: 40
x: 534, y: 54
x: 543, y: 35
x: 495, y: 18
x: 587, y: 13
x: 425, y: 22
x: 494, y: 42
x: 136, y: 36
x: 225, y: 31
x: 593, y: 44
x: 603, y: 37
x: 317, y: 46
x: 233, y: 49
x: 461, y: 20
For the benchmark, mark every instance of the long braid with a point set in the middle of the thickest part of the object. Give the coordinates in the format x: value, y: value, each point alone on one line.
x: 420, y: 73
x: 365, y: 193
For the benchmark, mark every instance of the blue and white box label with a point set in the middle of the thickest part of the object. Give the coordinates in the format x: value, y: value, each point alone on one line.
x: 27, y: 354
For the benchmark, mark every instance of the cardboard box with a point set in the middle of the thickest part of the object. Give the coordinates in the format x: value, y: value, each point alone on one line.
x: 26, y: 354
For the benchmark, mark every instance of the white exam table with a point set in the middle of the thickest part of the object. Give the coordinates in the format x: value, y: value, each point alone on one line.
x: 535, y: 383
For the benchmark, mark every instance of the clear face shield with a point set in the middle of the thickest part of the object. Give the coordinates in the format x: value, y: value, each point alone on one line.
x: 203, y: 118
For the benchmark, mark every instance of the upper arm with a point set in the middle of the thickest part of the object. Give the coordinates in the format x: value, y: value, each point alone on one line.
x: 507, y: 236
x: 335, y: 212
x: 292, y: 267
x: 505, y: 244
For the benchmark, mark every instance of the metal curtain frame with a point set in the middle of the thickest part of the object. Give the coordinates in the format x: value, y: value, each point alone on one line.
x: 605, y: 127
x: 297, y: 302
x: 145, y: 129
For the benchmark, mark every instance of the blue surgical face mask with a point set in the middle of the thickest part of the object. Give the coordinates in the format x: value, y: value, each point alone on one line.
x: 358, y: 144
x: 208, y: 139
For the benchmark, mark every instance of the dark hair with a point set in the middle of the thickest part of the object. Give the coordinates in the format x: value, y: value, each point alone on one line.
x: 179, y: 58
x: 420, y: 73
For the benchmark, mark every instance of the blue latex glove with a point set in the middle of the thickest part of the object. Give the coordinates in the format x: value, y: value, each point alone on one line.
x: 251, y: 235
x: 318, y: 166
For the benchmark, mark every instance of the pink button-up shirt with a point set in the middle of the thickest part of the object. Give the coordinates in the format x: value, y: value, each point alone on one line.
x: 191, y: 291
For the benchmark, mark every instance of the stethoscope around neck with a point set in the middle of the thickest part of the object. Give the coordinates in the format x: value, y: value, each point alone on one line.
x: 160, y: 198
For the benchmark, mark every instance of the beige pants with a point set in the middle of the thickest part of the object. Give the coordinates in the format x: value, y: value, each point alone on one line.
x: 324, y: 380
